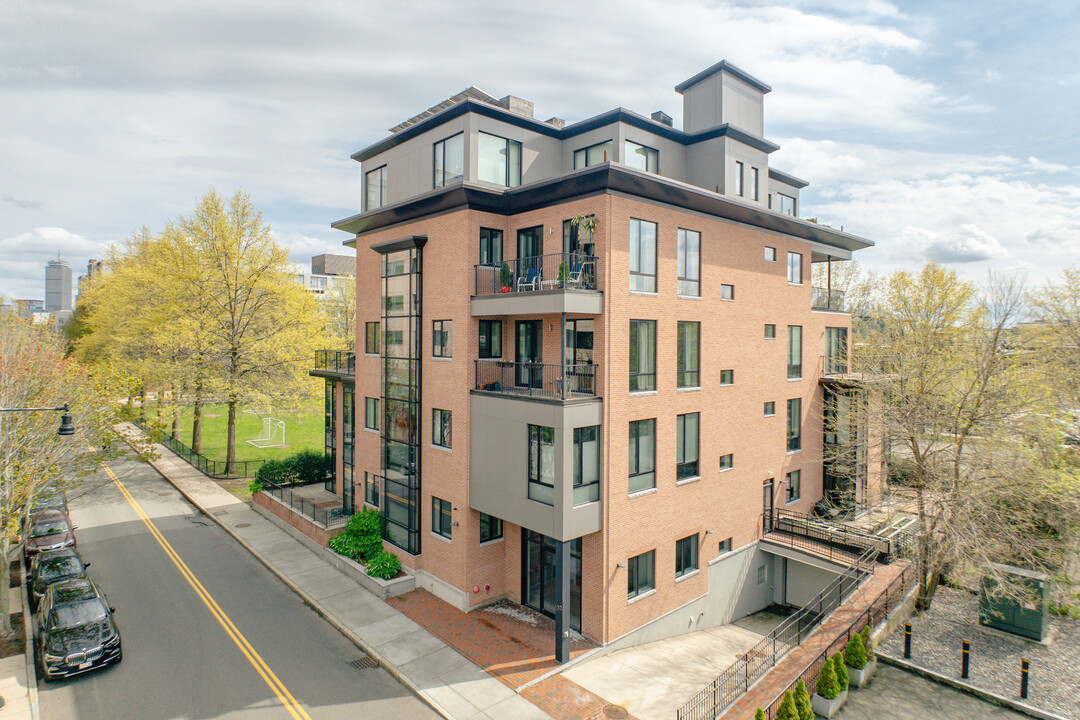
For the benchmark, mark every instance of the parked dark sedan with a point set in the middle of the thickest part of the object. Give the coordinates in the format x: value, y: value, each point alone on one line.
x: 50, y: 567
x: 48, y: 530
x: 76, y: 630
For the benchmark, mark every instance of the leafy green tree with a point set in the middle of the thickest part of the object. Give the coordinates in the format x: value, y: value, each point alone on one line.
x: 759, y: 715
x: 802, y: 701
x: 787, y: 709
x: 35, y: 372
x: 827, y: 686
x: 840, y: 671
x: 855, y: 653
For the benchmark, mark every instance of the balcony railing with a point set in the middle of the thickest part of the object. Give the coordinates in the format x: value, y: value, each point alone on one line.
x: 536, y: 379
x: 825, y: 299
x: 558, y: 271
x: 335, y: 361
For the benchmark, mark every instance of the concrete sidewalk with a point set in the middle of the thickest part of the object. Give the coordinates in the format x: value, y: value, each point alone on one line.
x: 18, y: 684
x: 449, y: 682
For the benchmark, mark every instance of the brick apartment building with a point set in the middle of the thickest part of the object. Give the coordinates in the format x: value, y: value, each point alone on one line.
x: 590, y: 367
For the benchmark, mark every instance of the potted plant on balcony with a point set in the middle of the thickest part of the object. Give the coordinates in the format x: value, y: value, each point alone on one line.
x: 506, y: 277
x: 828, y: 697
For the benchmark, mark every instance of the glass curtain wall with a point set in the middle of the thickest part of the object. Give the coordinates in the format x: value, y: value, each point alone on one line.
x: 330, y: 445
x: 348, y: 423
x: 401, y: 397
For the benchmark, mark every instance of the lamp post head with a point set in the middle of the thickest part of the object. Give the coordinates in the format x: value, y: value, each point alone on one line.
x: 67, y: 427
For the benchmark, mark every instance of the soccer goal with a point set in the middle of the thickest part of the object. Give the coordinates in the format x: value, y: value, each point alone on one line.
x: 273, y: 433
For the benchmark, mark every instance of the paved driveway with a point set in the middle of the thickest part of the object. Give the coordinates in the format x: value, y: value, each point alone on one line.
x: 896, y: 694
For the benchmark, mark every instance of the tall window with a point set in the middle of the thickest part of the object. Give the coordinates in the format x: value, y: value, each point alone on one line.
x: 371, y: 338
x: 491, y: 528
x: 640, y: 574
x: 689, y: 263
x: 586, y: 464
x: 794, y: 268
x: 688, y: 354
x: 499, y: 160
x: 440, y: 427
x: 738, y: 178
x: 686, y: 555
x: 794, y: 489
x: 372, y: 485
x: 449, y: 159
x: 441, y: 517
x: 371, y: 413
x: 787, y: 204
x: 686, y: 446
x: 593, y: 155
x: 441, y: 338
x: 490, y: 338
x: 375, y: 188
x: 794, y: 351
x: 642, y: 355
x: 491, y: 246
x: 794, y: 424
x: 642, y: 255
x: 753, y: 183
x: 542, y: 464
x: 641, y: 157
x: 835, y: 350
x: 642, y: 455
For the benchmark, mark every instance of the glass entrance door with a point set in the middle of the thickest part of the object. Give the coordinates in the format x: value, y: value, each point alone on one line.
x: 529, y: 248
x: 540, y: 589
x: 528, y: 355
x: 579, y: 355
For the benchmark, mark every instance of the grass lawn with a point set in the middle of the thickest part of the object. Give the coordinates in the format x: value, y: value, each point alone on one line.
x: 303, y: 431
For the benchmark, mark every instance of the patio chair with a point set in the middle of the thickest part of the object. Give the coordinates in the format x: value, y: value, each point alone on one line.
x: 576, y: 272
x: 529, y: 281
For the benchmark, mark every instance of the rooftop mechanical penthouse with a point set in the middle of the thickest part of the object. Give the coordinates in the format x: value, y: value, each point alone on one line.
x: 591, y: 373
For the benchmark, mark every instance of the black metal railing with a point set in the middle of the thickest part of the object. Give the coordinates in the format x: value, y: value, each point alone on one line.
x: 825, y: 299
x: 814, y: 533
x: 878, y: 610
x: 536, y: 379
x: 328, y: 517
x: 335, y: 361
x: 738, y: 678
x: 558, y: 271
x: 213, y: 468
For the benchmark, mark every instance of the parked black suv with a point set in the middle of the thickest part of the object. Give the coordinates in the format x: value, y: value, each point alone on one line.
x: 76, y: 630
x: 50, y: 567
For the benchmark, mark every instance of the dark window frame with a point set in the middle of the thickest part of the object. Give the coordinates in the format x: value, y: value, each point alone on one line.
x: 586, y: 492
x: 727, y: 377
x: 651, y: 154
x: 491, y: 528
x: 442, y: 518
x: 382, y: 188
x: 540, y: 436
x: 642, y: 379
x: 727, y: 292
x: 442, y: 428
x: 794, y: 424
x: 686, y: 468
x: 442, y: 338
x: 490, y: 246
x: 583, y: 153
x: 687, y: 374
x: 727, y: 462
x: 794, y: 486
x: 641, y: 574
x: 371, y: 338
x: 372, y: 489
x: 689, y: 284
x: 686, y: 555
x: 739, y: 170
x: 769, y: 408
x: 491, y: 332
x: 770, y: 331
x: 794, y: 268
x: 509, y: 180
x: 645, y: 471
x: 435, y: 169
x: 371, y: 413
x: 794, y: 352
x: 643, y: 284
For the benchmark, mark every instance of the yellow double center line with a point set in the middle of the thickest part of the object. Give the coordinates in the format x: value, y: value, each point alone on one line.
x: 295, y: 709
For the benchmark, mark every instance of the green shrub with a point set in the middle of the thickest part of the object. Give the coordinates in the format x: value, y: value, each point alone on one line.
x: 274, y: 471
x: 306, y: 466
x: 868, y: 644
x: 787, y: 709
x: 368, y: 522
x: 348, y: 545
x: 759, y: 715
x: 827, y: 687
x: 802, y: 701
x: 506, y: 276
x: 255, y: 485
x: 841, y: 671
x: 384, y: 565
x: 855, y: 653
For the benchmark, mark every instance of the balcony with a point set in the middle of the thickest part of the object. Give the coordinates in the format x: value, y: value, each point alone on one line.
x: 826, y: 299
x: 334, y: 363
x: 536, y: 380
x: 555, y: 283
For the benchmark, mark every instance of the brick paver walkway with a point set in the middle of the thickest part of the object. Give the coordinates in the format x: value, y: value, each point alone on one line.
x: 513, y: 644
x: 826, y: 636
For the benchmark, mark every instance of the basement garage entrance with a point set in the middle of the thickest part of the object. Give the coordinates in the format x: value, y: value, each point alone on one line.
x: 538, y: 582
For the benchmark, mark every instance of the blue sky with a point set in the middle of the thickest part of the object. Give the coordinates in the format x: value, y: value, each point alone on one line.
x: 939, y: 130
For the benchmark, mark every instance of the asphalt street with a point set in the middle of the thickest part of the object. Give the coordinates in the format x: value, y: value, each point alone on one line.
x: 207, y: 630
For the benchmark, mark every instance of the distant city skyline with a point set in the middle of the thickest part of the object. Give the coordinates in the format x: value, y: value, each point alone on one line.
x: 939, y: 131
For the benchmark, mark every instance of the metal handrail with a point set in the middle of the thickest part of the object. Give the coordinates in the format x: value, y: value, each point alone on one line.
x: 536, y: 379
x: 851, y: 540
x: 335, y: 361
x: 738, y: 678
x: 327, y: 517
x: 213, y: 468
x: 556, y: 271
